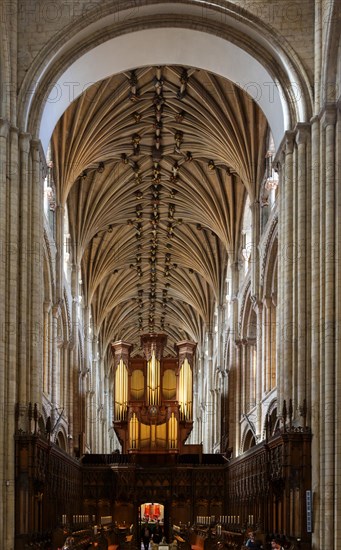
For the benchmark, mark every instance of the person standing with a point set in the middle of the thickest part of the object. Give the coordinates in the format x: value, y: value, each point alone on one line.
x: 145, y: 535
x: 157, y: 533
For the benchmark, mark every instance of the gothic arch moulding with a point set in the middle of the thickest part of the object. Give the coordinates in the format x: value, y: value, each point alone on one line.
x: 243, y: 304
x: 331, y: 89
x: 5, y: 65
x: 269, y: 258
x: 239, y: 47
x: 272, y: 418
x: 248, y: 440
x: 61, y: 439
x: 248, y: 319
x: 49, y: 283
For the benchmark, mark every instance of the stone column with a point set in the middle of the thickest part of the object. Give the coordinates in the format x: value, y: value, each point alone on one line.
x: 98, y: 378
x: 94, y: 377
x: 106, y: 411
x: 318, y: 23
x: 328, y: 327
x: 46, y: 346
x: 3, y: 243
x: 337, y: 483
x: 194, y: 433
x: 234, y: 370
x: 201, y: 405
x: 90, y: 418
x: 66, y: 379
x: 84, y: 382
x: 218, y: 413
x: 267, y: 351
x: 280, y: 291
x: 315, y: 320
x: 236, y: 385
x: 55, y: 366
x: 50, y: 349
x: 35, y: 266
x: 74, y: 367
x: 60, y: 211
x: 24, y: 257
x: 8, y: 248
x: 259, y: 365
x: 70, y: 395
x: 255, y: 210
x: 245, y: 376
x: 210, y: 393
x: 288, y: 272
x: 302, y: 137
x: 10, y: 320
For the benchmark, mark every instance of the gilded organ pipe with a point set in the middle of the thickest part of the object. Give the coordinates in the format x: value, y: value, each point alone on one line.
x: 153, y: 381
x: 121, y: 391
x: 185, y: 391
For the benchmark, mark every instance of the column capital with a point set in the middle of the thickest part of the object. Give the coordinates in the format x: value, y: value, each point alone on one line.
x: 4, y: 128
x: 75, y: 266
x: 238, y: 342
x: 56, y: 309
x: 274, y: 298
x: 60, y: 208
x: 257, y: 305
x: 24, y: 142
x: 328, y: 115
x: 255, y: 206
x: 47, y: 306
x: 289, y: 142
x: 249, y: 341
x: 267, y: 302
x: 302, y: 133
x: 37, y: 152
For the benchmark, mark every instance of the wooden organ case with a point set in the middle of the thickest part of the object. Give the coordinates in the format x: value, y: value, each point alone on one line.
x: 153, y: 396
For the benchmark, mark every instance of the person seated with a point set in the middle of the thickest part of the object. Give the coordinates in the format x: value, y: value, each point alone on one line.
x: 276, y: 544
x: 69, y: 543
x: 251, y: 542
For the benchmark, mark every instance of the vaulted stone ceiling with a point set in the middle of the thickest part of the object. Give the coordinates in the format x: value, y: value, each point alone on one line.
x: 154, y: 166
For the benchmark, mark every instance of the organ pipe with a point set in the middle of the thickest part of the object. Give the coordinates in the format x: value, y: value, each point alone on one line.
x: 185, y: 391
x: 121, y: 391
x: 172, y: 430
x: 153, y: 380
x: 134, y: 432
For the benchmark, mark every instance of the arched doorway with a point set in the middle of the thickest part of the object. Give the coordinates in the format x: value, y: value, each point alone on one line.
x: 154, y: 516
x: 152, y: 512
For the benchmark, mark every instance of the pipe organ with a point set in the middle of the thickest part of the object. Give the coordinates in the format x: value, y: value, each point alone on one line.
x: 153, y: 395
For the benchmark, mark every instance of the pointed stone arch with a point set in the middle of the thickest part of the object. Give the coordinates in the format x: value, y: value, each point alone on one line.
x: 248, y: 440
